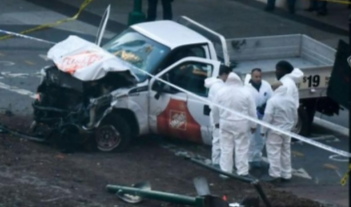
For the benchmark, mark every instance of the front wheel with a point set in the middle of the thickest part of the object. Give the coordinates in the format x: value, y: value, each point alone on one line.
x: 113, y: 134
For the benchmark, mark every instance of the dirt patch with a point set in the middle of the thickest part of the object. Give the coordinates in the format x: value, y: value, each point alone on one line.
x: 33, y: 174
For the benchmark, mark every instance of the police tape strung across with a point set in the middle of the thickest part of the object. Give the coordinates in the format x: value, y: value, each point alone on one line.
x: 287, y: 133
x: 26, y: 37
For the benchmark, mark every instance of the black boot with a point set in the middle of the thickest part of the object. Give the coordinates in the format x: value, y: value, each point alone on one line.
x: 310, y: 9
x: 322, y: 13
x: 269, y: 9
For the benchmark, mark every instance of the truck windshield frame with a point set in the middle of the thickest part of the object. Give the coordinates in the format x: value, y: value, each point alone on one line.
x: 138, y: 50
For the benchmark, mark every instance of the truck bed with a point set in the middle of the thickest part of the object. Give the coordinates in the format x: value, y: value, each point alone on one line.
x: 269, y: 64
x: 264, y: 52
x: 314, y: 58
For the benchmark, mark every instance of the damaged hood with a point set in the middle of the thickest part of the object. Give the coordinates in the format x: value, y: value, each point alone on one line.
x: 85, y: 60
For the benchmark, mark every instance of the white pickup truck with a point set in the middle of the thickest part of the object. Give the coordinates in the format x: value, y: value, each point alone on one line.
x: 168, y: 50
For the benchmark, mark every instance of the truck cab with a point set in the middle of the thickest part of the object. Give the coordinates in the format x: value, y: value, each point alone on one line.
x: 178, y: 55
x: 119, y: 110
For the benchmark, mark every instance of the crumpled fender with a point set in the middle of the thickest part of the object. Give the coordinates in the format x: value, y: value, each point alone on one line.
x: 121, y: 100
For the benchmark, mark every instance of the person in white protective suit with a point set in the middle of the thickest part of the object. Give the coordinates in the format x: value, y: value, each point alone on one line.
x: 261, y: 91
x: 289, y: 77
x: 214, y: 84
x: 280, y: 112
x: 234, y: 130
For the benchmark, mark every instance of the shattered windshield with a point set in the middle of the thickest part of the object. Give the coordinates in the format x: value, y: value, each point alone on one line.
x: 138, y: 50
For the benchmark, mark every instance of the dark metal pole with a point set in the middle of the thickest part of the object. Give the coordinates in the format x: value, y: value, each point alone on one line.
x: 157, y: 195
x: 349, y: 109
x: 137, y: 15
x: 254, y: 182
x: 260, y: 192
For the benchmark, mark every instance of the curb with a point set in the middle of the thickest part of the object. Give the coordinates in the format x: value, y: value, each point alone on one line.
x: 331, y: 126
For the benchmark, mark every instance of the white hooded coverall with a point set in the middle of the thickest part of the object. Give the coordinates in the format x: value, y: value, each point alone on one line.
x: 234, y: 130
x: 257, y: 142
x: 280, y: 112
x: 214, y: 84
x: 290, y: 80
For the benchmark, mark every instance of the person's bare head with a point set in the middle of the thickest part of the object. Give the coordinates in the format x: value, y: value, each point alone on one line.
x: 256, y: 75
x: 224, y: 72
x: 282, y: 68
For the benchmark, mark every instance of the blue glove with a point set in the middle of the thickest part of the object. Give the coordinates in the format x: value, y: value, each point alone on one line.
x: 259, y: 115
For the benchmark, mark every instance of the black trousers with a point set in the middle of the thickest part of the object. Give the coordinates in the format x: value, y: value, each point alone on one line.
x: 318, y: 5
x: 152, y: 10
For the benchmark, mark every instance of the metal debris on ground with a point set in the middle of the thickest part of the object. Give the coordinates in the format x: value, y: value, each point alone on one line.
x: 142, y: 190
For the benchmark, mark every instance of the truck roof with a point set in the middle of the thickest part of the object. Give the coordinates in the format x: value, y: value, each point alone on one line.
x: 170, y: 33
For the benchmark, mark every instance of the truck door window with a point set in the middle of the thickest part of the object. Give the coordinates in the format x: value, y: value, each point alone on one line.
x: 198, y: 51
x: 180, y: 53
x: 189, y: 76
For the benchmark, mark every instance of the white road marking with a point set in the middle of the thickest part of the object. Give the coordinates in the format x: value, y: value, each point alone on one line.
x: 316, y: 180
x: 338, y: 173
x: 44, y: 57
x: 8, y: 74
x: 331, y: 126
x: 6, y: 63
x: 17, y: 90
x: 338, y: 158
x: 327, y: 138
x: 301, y: 173
x: 298, y: 173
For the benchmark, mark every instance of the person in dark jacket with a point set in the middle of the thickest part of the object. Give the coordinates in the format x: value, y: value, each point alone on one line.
x: 319, y: 6
x: 152, y: 10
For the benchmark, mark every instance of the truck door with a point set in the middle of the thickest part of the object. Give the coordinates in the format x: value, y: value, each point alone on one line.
x: 102, y: 27
x: 173, y: 112
x: 217, y: 40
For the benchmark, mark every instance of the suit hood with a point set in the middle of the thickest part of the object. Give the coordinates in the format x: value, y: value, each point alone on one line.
x: 209, y: 82
x: 296, y: 75
x: 234, y: 79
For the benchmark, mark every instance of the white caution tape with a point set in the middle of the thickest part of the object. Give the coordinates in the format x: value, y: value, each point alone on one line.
x: 287, y: 133
x: 26, y: 37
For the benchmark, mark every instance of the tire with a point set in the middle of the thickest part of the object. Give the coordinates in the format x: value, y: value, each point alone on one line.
x: 305, y: 120
x: 113, y: 134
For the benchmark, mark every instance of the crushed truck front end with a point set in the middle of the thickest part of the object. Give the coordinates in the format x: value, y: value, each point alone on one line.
x: 77, y: 92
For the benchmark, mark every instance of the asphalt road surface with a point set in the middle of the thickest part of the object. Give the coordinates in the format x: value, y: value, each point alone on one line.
x: 317, y: 172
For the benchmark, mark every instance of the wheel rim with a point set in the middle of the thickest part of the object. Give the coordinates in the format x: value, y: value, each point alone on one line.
x: 107, y: 138
x: 298, y: 126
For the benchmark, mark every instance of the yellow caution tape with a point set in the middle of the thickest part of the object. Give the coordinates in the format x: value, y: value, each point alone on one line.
x: 337, y: 1
x: 44, y: 26
x: 344, y: 179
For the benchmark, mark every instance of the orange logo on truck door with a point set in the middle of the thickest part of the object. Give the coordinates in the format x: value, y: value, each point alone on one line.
x: 176, y: 121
